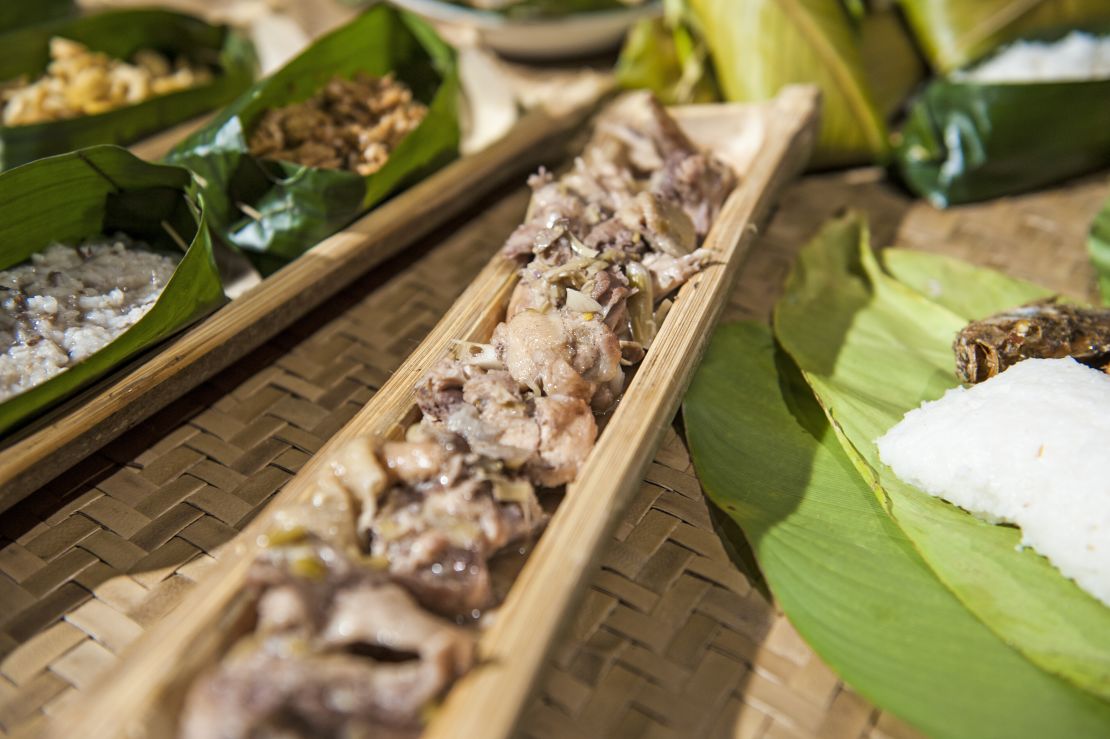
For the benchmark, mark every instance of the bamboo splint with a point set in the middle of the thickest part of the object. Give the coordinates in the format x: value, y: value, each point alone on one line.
x: 93, y: 418
x: 767, y: 144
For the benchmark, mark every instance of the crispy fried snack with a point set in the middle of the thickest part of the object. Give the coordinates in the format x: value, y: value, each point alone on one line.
x: 1044, y: 329
x: 80, y: 82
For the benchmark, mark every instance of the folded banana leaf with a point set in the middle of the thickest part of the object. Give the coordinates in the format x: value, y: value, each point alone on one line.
x: 104, y: 190
x: 1098, y: 246
x: 954, y: 33
x: 872, y: 347
x: 964, y: 141
x: 670, y: 60
x: 120, y: 34
x: 19, y: 13
x: 758, y: 46
x: 275, y: 211
x: 848, y: 578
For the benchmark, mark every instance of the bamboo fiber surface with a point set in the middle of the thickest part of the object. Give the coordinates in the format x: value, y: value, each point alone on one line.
x: 672, y: 639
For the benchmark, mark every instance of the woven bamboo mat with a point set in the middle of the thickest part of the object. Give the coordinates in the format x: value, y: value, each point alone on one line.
x: 671, y: 640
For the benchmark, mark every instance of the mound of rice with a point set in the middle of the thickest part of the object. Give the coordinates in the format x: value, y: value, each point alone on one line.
x: 66, y: 303
x: 1027, y: 447
x: 1077, y: 56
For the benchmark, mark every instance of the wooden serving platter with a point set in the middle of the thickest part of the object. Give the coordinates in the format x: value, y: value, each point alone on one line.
x: 34, y: 455
x: 767, y: 144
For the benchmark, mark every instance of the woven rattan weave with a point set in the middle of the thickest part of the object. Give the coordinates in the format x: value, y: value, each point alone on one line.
x: 671, y: 640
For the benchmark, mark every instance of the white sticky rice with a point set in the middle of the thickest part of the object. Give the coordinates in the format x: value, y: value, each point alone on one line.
x: 1030, y: 447
x: 66, y: 303
x: 1077, y: 56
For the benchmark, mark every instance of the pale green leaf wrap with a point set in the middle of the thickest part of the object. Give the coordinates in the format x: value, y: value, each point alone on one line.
x: 101, y: 191
x: 873, y: 348
x: 847, y: 577
x: 954, y: 33
x: 758, y: 46
x: 291, y: 206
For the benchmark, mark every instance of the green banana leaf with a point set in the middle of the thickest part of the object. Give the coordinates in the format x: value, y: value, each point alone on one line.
x: 844, y: 573
x: 19, y: 13
x: 963, y: 141
x: 891, y: 62
x: 292, y: 206
x: 873, y: 348
x: 668, y: 59
x: 954, y: 33
x: 120, y: 34
x: 758, y: 46
x: 105, y: 190
x: 1098, y: 246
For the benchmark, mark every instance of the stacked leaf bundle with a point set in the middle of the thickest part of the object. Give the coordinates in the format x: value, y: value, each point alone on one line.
x: 74, y: 223
x: 1034, y: 113
x: 929, y: 611
x: 108, y: 78
x: 964, y: 139
x: 362, y: 112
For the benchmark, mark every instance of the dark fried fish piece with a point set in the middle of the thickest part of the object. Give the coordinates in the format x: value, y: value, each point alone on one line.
x: 1044, y: 329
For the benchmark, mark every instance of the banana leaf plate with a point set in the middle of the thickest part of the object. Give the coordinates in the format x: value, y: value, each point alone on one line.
x: 105, y: 190
x: 120, y: 34
x: 275, y: 210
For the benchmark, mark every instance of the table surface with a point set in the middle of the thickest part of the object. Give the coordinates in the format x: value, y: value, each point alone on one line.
x: 673, y: 638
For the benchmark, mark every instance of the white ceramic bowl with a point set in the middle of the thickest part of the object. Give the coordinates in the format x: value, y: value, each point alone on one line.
x: 574, y: 35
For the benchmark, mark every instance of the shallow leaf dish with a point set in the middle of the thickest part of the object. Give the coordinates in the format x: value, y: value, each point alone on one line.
x: 104, y: 190
x: 275, y: 210
x: 120, y: 34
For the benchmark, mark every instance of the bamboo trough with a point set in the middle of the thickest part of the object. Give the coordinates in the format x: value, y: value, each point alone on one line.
x: 767, y: 144
x: 32, y: 456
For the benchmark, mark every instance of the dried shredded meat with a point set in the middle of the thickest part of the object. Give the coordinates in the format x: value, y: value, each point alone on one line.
x: 351, y: 124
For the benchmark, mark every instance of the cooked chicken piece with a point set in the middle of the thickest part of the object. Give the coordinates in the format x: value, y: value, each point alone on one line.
x: 613, y: 233
x: 441, y: 389
x: 339, y: 649
x: 356, y: 469
x: 567, y: 434
x: 415, y: 462
x: 669, y: 273
x: 368, y: 615
x: 438, y: 540
x: 559, y: 352
x: 699, y: 183
x: 549, y: 437
x: 663, y: 223
x: 279, y: 691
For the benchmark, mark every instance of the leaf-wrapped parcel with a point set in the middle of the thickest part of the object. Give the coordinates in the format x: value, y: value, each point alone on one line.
x: 119, y: 34
x: 953, y: 33
x: 276, y: 210
x: 758, y: 46
x: 964, y: 141
x: 97, y: 191
x: 19, y: 13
